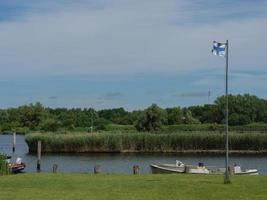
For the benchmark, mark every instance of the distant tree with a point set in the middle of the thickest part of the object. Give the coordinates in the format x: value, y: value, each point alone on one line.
x: 4, y: 118
x: 69, y: 121
x: 238, y: 119
x: 243, y: 109
x: 115, y: 115
x: 152, y: 119
x: 205, y: 114
x: 188, y: 118
x: 174, y: 115
x: 9, y: 126
x: 31, y: 115
x: 101, y: 123
x: 50, y: 124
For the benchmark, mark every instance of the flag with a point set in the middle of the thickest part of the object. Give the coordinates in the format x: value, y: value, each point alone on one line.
x: 219, y: 49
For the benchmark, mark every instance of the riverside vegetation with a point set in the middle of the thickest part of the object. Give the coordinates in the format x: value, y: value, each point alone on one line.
x: 148, y: 142
x: 195, y: 128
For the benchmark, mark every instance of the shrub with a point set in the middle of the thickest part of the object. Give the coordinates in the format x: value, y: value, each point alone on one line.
x: 4, y: 169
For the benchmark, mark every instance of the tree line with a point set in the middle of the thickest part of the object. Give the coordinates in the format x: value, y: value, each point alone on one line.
x: 243, y: 109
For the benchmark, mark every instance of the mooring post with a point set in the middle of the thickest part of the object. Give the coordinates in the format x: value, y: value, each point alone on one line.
x: 39, y: 148
x: 136, y: 169
x: 97, y: 169
x: 14, y: 142
x: 55, y: 168
x: 187, y: 169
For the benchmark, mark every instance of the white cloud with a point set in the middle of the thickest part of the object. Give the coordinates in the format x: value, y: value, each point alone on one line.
x: 123, y: 37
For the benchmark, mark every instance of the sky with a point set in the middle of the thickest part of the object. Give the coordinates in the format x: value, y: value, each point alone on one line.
x: 129, y: 53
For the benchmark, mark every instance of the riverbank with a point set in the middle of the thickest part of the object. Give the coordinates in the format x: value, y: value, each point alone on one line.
x: 95, y: 187
x: 197, y: 142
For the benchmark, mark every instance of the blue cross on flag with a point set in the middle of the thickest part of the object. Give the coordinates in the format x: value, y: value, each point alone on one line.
x: 218, y: 49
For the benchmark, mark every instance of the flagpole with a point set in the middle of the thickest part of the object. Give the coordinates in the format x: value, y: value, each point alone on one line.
x: 226, y: 177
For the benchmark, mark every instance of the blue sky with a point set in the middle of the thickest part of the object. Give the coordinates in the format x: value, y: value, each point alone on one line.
x: 129, y: 53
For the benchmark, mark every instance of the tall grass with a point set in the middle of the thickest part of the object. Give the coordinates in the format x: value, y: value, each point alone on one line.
x: 146, y: 142
x: 4, y: 169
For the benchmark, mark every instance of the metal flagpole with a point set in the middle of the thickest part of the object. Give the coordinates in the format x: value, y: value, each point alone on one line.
x: 226, y: 177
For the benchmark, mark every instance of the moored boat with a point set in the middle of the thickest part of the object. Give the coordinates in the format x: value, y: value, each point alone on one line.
x: 179, y: 167
x: 238, y: 171
x: 17, y: 166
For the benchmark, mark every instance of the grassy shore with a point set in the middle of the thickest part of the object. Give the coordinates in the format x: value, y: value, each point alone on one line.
x: 121, y: 187
x: 148, y: 142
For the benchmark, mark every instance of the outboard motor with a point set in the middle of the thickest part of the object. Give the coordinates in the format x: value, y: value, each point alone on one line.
x: 18, y: 161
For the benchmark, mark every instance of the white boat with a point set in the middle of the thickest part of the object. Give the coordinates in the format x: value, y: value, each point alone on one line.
x: 238, y: 171
x: 179, y: 167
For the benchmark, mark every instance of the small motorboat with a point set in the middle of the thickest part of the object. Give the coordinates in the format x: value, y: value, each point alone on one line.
x: 17, y: 166
x: 238, y: 171
x: 179, y: 167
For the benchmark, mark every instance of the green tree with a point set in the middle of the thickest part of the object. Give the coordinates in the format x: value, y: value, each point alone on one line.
x: 50, y: 124
x: 243, y: 109
x: 188, y: 118
x: 175, y: 115
x: 31, y: 115
x: 115, y: 115
x: 152, y: 119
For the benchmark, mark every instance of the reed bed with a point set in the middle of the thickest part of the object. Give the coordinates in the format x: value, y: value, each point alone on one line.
x: 147, y: 142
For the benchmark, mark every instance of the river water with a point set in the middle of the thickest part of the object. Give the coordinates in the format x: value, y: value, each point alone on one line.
x: 119, y: 162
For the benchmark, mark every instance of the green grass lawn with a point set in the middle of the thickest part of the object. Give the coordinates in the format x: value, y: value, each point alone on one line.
x: 121, y: 187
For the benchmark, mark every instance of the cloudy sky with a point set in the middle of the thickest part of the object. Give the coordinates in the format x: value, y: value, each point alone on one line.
x: 129, y: 53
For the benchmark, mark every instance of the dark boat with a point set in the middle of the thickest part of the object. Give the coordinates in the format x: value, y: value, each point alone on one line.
x: 16, y: 167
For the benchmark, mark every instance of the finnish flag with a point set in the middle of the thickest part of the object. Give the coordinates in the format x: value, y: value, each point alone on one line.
x: 219, y: 49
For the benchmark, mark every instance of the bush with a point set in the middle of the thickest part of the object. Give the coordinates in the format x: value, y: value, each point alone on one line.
x: 4, y: 169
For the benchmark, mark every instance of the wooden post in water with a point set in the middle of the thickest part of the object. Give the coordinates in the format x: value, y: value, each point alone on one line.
x: 136, y: 169
x: 97, y: 169
x: 39, y: 148
x: 55, y: 168
x: 14, y: 142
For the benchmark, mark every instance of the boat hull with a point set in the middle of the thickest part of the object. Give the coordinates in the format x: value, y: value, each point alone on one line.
x: 188, y: 169
x: 248, y: 172
x: 166, y: 169
x: 17, y: 168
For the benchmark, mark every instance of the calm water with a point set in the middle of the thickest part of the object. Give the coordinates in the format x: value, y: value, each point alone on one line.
x: 118, y: 163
